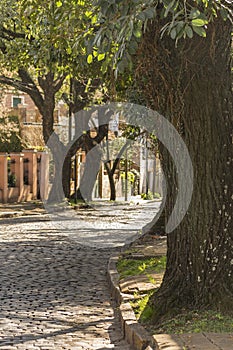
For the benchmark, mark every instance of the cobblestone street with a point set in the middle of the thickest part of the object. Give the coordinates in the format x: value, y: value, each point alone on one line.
x: 54, y: 293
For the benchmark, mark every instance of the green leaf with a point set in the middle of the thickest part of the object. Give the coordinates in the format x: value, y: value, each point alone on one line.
x: 200, y: 31
x: 133, y: 46
x: 141, y: 16
x: 173, y: 33
x: 137, y: 33
x: 194, y: 14
x: 189, y: 31
x: 199, y: 22
x: 180, y: 29
x: 58, y: 3
x: 101, y: 56
x: 69, y: 50
x: 150, y: 13
x: 89, y: 59
x: 224, y: 13
x: 168, y: 8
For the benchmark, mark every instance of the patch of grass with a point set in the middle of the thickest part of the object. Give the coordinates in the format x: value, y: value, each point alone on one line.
x: 142, y: 309
x: 72, y: 202
x: 197, y: 322
x: 133, y: 267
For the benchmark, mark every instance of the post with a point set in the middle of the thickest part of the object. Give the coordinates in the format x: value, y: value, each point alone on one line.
x: 154, y: 174
x: 3, y: 177
x: 147, y: 180
x: 70, y: 113
x: 18, y: 170
x: 126, y: 175
x: 32, y: 171
x: 44, y: 175
x: 100, y: 182
x: 75, y: 178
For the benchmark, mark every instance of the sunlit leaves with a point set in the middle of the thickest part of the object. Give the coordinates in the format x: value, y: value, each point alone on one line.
x: 194, y: 13
x: 101, y: 56
x: 200, y: 31
x: 199, y: 22
x: 59, y: 3
x: 89, y: 59
x: 53, y: 34
x: 119, y: 25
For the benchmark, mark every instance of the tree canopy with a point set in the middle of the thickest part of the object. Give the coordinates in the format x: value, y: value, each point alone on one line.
x: 42, y: 46
x: 119, y: 25
x: 46, y: 36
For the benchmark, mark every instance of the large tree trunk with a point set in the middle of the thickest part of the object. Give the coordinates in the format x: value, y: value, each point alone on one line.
x: 195, y: 94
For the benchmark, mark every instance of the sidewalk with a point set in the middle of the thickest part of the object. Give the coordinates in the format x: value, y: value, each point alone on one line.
x: 37, y: 208
x: 126, y: 289
x: 197, y: 341
x: 21, y: 209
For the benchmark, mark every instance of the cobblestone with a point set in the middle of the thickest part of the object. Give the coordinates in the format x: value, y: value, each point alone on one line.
x: 54, y: 292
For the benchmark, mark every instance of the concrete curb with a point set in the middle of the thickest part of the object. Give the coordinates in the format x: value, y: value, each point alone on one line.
x: 133, y: 332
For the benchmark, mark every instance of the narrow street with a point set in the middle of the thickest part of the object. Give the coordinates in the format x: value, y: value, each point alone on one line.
x: 54, y: 292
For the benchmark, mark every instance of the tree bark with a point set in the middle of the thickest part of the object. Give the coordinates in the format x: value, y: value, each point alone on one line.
x: 111, y: 181
x: 91, y: 144
x: 195, y: 94
x: 92, y: 166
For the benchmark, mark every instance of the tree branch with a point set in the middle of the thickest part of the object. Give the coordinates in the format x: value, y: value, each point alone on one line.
x: 33, y: 90
x: 118, y: 158
x: 12, y: 34
x: 58, y: 82
x: 14, y: 83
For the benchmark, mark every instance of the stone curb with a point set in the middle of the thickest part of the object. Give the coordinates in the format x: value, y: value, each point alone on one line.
x: 10, y: 214
x: 133, y: 332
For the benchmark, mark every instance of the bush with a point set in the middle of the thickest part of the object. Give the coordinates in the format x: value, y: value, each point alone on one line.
x: 11, y: 180
x: 150, y: 195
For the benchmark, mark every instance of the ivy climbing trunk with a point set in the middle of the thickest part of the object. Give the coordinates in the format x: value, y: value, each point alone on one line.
x: 194, y: 93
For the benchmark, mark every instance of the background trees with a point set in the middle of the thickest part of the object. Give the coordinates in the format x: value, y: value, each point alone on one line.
x: 41, y: 49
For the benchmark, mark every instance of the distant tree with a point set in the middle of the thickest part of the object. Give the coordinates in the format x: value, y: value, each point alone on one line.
x: 41, y: 47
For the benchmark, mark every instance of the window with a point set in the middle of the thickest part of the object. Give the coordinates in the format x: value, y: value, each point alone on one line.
x: 16, y: 101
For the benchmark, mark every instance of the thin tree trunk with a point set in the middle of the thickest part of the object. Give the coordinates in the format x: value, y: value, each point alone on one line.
x: 111, y: 181
x: 66, y: 175
x: 111, y: 171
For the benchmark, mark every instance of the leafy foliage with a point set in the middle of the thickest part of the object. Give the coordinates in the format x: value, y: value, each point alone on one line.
x: 10, y: 140
x: 120, y: 24
x: 43, y: 35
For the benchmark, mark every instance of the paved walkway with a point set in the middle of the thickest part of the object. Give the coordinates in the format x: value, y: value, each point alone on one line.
x: 54, y: 293
x: 53, y: 288
x: 196, y: 341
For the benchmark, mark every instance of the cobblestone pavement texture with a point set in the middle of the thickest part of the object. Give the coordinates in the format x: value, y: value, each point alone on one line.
x: 53, y: 289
